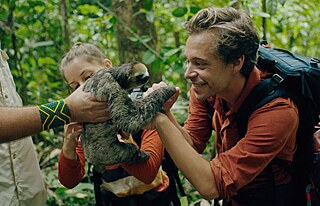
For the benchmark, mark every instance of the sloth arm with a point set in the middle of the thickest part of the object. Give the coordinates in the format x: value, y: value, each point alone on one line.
x: 152, y: 144
x: 71, y: 172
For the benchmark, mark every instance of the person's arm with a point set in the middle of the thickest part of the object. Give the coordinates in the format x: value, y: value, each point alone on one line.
x: 146, y: 172
x: 71, y: 166
x: 198, y: 127
x: 19, y: 122
x: 181, y: 129
x: 71, y: 172
x: 194, y: 167
x: 179, y: 145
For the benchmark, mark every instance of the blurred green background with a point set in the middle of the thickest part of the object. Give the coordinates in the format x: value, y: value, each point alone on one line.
x: 36, y: 35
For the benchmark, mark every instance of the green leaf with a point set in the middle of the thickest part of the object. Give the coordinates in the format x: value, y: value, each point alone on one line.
x: 272, y: 6
x: 232, y: 3
x: 180, y: 11
x: 194, y: 9
x: 88, y: 9
x: 132, y: 38
x: 148, y: 5
x: 156, y: 65
x: 184, y: 201
x: 150, y: 16
x: 261, y: 14
x: 145, y: 38
x: 282, y: 2
x: 148, y: 57
x: 46, y: 60
x: 33, y: 4
x: 171, y: 52
x: 178, y: 68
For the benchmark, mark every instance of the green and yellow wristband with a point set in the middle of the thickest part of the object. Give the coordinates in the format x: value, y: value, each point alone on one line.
x: 54, y: 114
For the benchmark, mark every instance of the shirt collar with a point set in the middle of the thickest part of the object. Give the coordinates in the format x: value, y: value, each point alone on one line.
x: 252, y: 81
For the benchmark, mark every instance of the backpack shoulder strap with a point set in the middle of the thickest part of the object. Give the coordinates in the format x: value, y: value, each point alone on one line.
x: 263, y: 93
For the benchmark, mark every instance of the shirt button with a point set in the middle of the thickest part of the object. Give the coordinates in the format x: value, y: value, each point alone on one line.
x: 14, y: 156
x: 6, y: 96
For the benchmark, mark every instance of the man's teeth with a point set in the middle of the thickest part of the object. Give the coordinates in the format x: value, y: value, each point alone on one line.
x: 198, y: 85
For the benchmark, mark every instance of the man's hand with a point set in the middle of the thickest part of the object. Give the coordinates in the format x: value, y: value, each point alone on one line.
x: 169, y: 103
x: 84, y: 107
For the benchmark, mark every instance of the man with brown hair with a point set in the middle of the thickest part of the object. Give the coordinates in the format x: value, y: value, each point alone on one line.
x: 221, y: 53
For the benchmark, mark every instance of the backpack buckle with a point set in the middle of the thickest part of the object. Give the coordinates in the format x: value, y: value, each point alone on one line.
x: 275, y: 81
x: 314, y: 62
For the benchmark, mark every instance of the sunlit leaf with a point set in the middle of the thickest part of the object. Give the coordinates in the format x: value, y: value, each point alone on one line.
x: 282, y: 2
x: 148, y: 57
x: 150, y: 16
x: 145, y: 38
x: 171, y: 52
x: 272, y: 6
x: 232, y: 3
x: 134, y: 39
x: 184, y: 201
x: 46, y: 60
x: 88, y: 9
x: 261, y: 14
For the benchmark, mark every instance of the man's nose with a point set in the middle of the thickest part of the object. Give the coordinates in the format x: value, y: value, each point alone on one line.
x: 190, y: 72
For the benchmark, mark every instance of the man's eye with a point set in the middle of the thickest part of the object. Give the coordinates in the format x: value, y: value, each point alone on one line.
x: 201, y: 64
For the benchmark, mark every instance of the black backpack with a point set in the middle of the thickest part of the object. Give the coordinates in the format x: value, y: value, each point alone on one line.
x: 296, y: 77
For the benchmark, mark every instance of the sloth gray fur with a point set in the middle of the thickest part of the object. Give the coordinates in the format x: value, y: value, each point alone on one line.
x: 99, y: 140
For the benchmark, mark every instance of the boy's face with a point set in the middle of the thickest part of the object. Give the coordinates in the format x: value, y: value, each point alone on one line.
x: 208, y: 74
x: 79, y: 70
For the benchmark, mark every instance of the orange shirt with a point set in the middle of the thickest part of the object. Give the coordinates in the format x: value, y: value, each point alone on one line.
x: 71, y: 172
x: 239, y: 161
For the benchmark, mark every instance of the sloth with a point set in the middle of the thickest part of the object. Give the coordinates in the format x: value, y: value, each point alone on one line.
x: 99, y: 140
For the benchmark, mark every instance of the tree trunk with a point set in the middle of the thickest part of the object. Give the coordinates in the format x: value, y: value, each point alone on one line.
x: 264, y: 20
x: 64, y: 11
x: 133, y: 23
x: 16, y: 58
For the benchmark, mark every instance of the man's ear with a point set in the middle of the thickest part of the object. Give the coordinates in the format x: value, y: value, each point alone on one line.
x: 107, y: 63
x: 238, y: 63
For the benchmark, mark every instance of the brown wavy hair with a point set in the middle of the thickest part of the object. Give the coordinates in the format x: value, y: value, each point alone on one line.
x: 234, y: 31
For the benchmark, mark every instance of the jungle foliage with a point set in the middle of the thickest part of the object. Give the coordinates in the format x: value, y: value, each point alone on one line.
x: 36, y: 34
